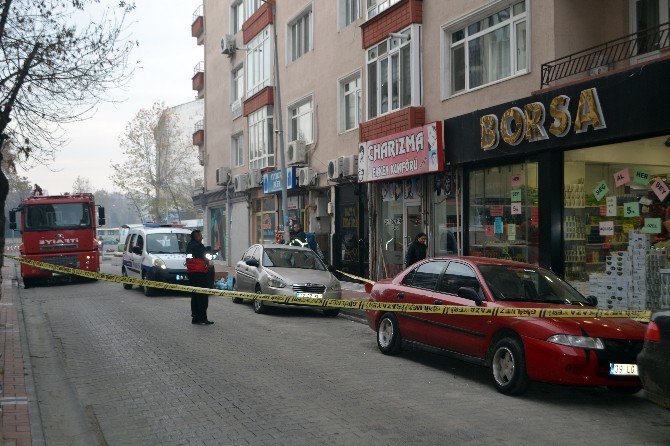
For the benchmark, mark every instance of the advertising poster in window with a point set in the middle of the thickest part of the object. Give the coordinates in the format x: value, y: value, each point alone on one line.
x: 217, y: 231
x: 413, y: 152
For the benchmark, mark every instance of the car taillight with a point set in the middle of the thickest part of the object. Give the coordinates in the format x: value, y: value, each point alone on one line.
x: 653, y: 334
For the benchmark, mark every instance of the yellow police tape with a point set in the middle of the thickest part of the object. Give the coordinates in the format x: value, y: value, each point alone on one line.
x: 640, y: 315
x: 361, y: 279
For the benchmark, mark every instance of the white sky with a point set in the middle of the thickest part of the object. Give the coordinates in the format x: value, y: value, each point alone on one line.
x: 167, y: 54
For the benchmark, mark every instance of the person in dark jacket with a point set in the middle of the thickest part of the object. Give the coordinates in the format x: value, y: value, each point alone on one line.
x: 417, y: 249
x: 200, y: 275
x: 300, y: 236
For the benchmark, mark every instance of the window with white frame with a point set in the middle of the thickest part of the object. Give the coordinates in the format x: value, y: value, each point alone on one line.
x: 394, y: 73
x: 300, y: 35
x: 301, y: 121
x: 261, y: 138
x: 236, y: 16
x: 350, y: 11
x: 252, y: 6
x: 236, y: 150
x: 488, y: 49
x: 351, y: 104
x: 378, y: 6
x: 647, y: 14
x: 259, y: 62
x: 237, y: 87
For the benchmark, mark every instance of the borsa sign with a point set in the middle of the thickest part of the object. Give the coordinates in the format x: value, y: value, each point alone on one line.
x: 515, y: 124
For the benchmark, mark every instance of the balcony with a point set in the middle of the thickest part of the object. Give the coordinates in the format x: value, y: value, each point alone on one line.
x: 198, y: 79
x: 198, y: 25
x: 199, y: 134
x: 616, y: 54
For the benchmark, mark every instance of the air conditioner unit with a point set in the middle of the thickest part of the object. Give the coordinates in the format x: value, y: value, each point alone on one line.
x: 255, y: 178
x: 350, y: 166
x: 335, y: 168
x: 241, y: 182
x: 197, y: 183
x: 306, y: 176
x: 222, y: 176
x: 228, y: 45
x: 297, y: 152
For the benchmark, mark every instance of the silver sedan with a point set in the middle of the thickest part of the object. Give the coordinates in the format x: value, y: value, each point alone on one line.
x: 285, y: 271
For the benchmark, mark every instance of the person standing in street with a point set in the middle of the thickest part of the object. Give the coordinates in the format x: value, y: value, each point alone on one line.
x: 299, y: 235
x: 417, y: 249
x: 199, y: 273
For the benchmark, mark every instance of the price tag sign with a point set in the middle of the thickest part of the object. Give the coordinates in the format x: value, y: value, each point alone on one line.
x: 610, y: 207
x: 516, y: 195
x: 600, y: 190
x: 660, y: 188
x: 511, y: 231
x: 498, y: 226
x: 622, y: 177
x: 517, y: 180
x: 488, y: 231
x: 652, y: 226
x: 641, y: 176
x: 496, y: 210
x: 516, y: 208
x: 631, y: 209
x: 606, y: 228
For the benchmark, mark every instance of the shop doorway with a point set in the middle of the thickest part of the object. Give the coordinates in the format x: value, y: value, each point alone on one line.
x: 350, y: 243
x: 414, y: 226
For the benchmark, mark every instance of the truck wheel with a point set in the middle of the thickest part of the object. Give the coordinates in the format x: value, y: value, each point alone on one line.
x: 126, y: 286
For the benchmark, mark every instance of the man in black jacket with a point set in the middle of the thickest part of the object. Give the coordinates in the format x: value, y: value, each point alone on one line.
x: 200, y: 275
x: 417, y: 249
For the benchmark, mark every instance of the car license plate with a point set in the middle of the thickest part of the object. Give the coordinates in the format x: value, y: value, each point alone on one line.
x: 309, y: 295
x: 623, y: 369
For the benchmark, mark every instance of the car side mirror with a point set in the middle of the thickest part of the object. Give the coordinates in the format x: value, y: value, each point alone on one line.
x: 137, y: 250
x: 12, y: 219
x: 253, y: 262
x: 592, y: 301
x: 470, y: 294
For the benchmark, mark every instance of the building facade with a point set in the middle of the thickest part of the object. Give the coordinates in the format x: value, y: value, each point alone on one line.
x: 487, y: 125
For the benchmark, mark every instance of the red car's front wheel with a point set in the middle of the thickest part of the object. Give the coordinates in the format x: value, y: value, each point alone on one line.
x: 508, y: 367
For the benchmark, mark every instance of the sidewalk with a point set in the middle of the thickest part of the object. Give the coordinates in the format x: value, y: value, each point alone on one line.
x: 13, y: 397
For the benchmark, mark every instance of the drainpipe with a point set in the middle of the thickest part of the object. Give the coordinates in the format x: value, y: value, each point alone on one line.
x: 228, y: 221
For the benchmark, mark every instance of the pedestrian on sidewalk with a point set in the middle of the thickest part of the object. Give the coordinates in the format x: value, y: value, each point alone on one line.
x: 417, y: 249
x: 200, y: 274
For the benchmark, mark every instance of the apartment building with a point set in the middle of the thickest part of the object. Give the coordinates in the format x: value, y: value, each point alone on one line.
x: 486, y: 124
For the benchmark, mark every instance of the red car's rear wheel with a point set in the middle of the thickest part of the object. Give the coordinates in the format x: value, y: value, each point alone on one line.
x: 389, y: 340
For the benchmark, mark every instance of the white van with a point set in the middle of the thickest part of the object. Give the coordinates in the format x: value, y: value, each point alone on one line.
x: 157, y: 253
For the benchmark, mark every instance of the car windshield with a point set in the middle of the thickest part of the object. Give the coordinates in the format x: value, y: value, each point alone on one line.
x: 170, y: 243
x: 292, y: 258
x: 57, y: 216
x: 526, y: 284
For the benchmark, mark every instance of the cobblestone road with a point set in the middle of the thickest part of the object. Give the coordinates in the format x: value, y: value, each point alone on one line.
x: 139, y: 373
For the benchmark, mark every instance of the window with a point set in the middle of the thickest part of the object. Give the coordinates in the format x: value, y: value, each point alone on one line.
x: 377, y: 6
x: 259, y: 62
x: 426, y: 275
x: 236, y: 16
x: 237, y: 90
x: 350, y: 11
x: 351, y: 105
x: 649, y: 14
x: 261, y: 139
x: 393, y: 74
x: 458, y: 275
x: 236, y: 150
x: 252, y: 6
x: 300, y: 35
x: 488, y: 50
x: 301, y: 121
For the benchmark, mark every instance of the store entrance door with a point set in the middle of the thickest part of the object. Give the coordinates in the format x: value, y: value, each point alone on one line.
x: 350, y: 244
x: 413, y: 223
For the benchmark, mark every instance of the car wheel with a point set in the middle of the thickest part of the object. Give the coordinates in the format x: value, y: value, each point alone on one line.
x: 331, y: 312
x: 259, y: 306
x: 625, y: 390
x: 236, y: 300
x: 126, y: 286
x: 508, y: 367
x: 389, y: 340
x: 27, y: 283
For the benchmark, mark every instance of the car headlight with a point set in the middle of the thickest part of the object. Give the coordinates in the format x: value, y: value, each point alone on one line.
x: 159, y: 263
x: 276, y: 282
x: 335, y: 285
x: 577, y: 341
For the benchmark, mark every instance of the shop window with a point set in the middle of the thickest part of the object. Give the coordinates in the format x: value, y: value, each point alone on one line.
x: 217, y: 231
x: 259, y: 62
x: 300, y: 35
x: 487, y: 49
x: 445, y: 226
x: 617, y: 222
x: 301, y: 121
x: 265, y: 219
x: 503, y: 212
x: 351, y: 104
x: 261, y: 139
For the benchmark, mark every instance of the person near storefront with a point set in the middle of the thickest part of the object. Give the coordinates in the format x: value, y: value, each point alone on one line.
x: 200, y: 274
x: 417, y: 249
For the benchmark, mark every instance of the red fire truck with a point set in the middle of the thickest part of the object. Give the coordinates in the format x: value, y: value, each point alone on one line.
x: 58, y: 229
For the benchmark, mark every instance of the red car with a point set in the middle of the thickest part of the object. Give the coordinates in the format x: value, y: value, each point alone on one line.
x: 582, y: 352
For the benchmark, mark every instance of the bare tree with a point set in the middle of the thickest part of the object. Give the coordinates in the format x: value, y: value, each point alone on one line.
x: 159, y: 163
x: 54, y: 69
x: 82, y: 185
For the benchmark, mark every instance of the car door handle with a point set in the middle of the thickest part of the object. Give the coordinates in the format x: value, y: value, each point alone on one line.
x: 401, y: 295
x: 438, y: 302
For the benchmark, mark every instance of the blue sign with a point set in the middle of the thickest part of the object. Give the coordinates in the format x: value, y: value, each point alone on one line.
x: 272, y: 180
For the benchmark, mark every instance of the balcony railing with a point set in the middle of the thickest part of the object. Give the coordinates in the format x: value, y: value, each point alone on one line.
x: 197, y: 13
x: 199, y: 134
x: 607, y: 54
x: 199, y: 68
x: 198, y: 126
